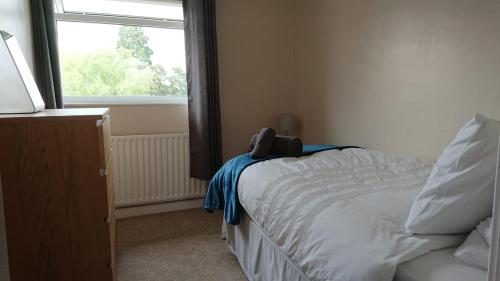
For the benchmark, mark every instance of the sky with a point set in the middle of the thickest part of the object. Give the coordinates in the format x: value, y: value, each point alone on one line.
x: 167, y: 44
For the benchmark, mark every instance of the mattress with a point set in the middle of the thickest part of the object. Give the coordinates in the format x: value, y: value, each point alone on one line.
x: 337, y: 215
x: 261, y: 259
x: 438, y: 266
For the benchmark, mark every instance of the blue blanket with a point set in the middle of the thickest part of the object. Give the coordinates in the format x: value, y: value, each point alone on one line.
x: 222, y: 191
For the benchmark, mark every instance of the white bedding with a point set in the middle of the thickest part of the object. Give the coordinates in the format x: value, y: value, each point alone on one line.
x: 438, y: 266
x: 338, y: 215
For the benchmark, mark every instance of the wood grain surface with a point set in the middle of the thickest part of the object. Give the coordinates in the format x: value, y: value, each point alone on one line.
x: 57, y: 205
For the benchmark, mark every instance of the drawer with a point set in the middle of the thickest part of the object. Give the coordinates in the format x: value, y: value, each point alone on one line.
x: 111, y: 219
x: 35, y: 170
x: 108, y: 166
x: 104, y: 126
x: 106, y: 171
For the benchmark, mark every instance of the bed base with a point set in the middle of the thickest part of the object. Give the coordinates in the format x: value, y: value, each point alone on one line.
x: 259, y: 257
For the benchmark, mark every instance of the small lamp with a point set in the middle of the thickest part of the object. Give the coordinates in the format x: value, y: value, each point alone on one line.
x: 288, y: 123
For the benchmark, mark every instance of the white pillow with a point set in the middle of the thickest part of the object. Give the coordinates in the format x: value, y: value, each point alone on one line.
x: 475, y: 250
x: 459, y: 191
x: 484, y: 228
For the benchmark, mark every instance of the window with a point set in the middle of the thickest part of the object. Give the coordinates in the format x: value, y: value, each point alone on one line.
x: 122, y: 51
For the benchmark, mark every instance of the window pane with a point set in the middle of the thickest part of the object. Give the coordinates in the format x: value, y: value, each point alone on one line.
x: 115, y: 60
x: 150, y: 9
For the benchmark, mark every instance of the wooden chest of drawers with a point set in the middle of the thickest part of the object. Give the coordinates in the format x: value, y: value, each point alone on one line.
x: 58, y: 195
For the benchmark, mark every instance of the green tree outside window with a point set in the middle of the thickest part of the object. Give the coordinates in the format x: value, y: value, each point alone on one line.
x: 125, y: 71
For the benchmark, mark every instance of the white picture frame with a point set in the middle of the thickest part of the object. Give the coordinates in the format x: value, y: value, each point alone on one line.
x: 19, y: 92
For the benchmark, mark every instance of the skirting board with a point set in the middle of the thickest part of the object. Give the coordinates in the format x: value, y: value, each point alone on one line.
x: 135, y: 211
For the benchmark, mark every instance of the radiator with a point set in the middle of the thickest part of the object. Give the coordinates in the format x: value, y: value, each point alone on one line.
x: 153, y: 169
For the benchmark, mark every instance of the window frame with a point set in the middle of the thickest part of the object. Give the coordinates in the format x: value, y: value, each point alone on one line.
x: 103, y: 18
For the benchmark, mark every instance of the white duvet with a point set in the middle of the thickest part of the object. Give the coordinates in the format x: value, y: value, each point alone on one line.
x: 338, y: 215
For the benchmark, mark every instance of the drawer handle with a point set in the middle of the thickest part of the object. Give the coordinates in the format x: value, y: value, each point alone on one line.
x: 103, y: 121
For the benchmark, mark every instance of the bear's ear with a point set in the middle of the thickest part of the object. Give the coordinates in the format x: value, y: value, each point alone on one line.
x: 263, y: 143
x: 286, y: 146
x: 253, y: 141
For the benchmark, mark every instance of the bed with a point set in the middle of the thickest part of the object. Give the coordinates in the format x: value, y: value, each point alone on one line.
x: 437, y: 266
x: 337, y: 215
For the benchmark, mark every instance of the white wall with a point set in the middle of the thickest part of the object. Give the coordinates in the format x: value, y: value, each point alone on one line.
x: 397, y: 75
x: 146, y: 119
x: 255, y: 67
x: 15, y: 18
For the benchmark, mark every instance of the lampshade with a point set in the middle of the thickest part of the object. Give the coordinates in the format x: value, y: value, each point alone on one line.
x: 288, y: 123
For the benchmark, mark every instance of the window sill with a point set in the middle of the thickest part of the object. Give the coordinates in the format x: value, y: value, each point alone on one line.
x: 123, y: 101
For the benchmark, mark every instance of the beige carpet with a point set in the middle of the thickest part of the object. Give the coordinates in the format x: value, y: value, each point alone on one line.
x: 183, y: 245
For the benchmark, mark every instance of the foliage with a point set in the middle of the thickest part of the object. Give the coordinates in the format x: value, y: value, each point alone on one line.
x: 124, y: 71
x: 132, y: 38
x: 158, y: 86
x: 177, y: 83
x: 102, y: 73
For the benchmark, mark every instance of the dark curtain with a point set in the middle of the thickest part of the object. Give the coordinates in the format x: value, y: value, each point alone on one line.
x: 203, y: 88
x: 47, y: 73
